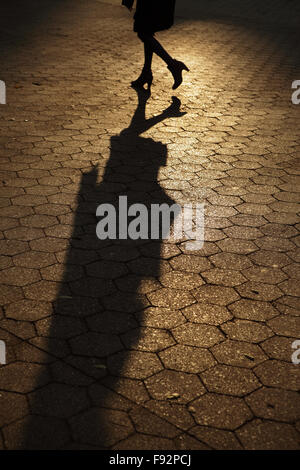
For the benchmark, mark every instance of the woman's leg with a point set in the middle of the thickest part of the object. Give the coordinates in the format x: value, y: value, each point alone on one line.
x: 153, y: 46
x: 148, y: 57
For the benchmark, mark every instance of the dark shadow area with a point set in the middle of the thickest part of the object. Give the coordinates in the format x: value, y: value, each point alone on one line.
x: 267, y: 13
x: 19, y: 20
x: 99, y: 308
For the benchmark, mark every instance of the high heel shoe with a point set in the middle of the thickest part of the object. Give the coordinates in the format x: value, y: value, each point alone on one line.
x: 176, y: 68
x: 145, y: 78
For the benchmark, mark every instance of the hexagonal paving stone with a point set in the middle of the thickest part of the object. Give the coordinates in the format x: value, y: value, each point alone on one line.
x: 17, y: 276
x: 43, y: 290
x: 37, y: 433
x: 13, y: 247
x: 106, y: 269
x: 278, y: 347
x: 186, y: 358
x: 270, y: 258
x: 171, y: 411
x: 163, y: 385
x: 166, y: 250
x: 13, y: 406
x: 295, y: 255
x: 26, y: 352
x: 134, y: 390
x: 248, y: 220
x: 206, y: 313
x: 220, y: 411
x: 180, y: 280
x: 52, y: 209
x: 235, y: 261
x: 10, y: 294
x: 192, y: 334
x: 23, y: 233
x: 119, y: 301
x: 21, y: 377
x: 223, y: 277
x: 147, y: 339
x: 275, y: 244
x: 290, y: 287
x: 107, y: 398
x: 28, y: 310
x: 94, y: 344
x: 170, y: 298
x: 39, y: 221
x: 187, y: 442
x: 275, y: 404
x: 279, y: 374
x: 160, y: 317
x: 7, y: 223
x: 238, y: 353
x: 60, y: 326
x: 144, y: 441
x: 63, y: 231
x: 79, y: 257
x: 265, y: 274
x: 148, y: 423
x: 133, y: 283
x: 282, y: 218
x: 147, y: 266
x: 253, y: 310
x: 16, y: 212
x: 216, y: 438
x: 288, y: 305
x: 242, y: 330
x: 215, y: 294
x: 34, y: 259
x: 134, y: 364
x: 293, y: 270
x: 268, y: 435
x: 245, y: 233
x: 279, y: 230
x: 230, y: 380
x: 21, y: 329
x: 190, y: 263
x: 58, y: 400
x: 208, y: 249
x: 5, y: 262
x: 237, y: 245
x: 285, y: 326
x: 74, y: 305
x: 62, y: 272
x: 91, y: 427
x: 49, y: 244
x: 112, y: 322
x: 259, y: 291
x: 117, y: 253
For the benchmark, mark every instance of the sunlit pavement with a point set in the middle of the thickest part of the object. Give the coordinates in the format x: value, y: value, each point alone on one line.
x: 145, y: 345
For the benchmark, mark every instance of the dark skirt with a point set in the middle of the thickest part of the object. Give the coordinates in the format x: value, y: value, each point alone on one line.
x: 153, y: 15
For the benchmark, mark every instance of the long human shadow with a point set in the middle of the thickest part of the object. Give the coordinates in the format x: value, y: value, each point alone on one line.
x: 99, y: 300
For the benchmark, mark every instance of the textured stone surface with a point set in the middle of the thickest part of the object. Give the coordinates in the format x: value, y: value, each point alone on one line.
x: 140, y: 344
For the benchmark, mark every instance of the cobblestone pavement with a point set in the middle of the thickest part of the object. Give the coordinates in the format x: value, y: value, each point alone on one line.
x: 136, y: 344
